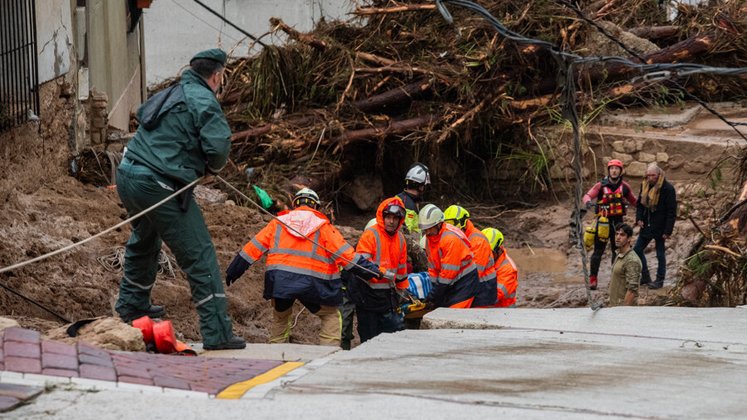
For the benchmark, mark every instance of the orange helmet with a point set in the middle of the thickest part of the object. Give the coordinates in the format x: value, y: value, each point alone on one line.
x: 615, y: 162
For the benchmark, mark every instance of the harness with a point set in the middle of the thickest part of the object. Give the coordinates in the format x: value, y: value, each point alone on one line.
x: 611, y: 202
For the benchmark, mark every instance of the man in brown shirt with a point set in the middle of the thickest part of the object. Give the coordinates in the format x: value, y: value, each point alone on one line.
x: 626, y: 271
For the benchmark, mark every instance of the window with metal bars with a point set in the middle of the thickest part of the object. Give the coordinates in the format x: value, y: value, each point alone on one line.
x: 19, y: 68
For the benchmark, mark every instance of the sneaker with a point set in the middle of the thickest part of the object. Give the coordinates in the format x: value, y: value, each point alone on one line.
x: 656, y: 284
x: 154, y: 311
x: 593, y: 282
x: 235, y: 343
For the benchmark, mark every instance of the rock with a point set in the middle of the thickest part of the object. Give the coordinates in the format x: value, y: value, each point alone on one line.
x: 7, y: 323
x: 695, y: 167
x: 556, y: 172
x: 636, y: 169
x: 676, y: 161
x: 107, y: 333
x: 639, y: 144
x: 630, y: 146
x: 365, y: 191
x: 662, y: 157
x: 691, y: 292
x: 622, y: 156
x: 210, y: 195
x: 646, y: 157
x: 618, y: 146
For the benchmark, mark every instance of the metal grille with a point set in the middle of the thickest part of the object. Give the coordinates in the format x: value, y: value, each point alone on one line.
x: 19, y: 69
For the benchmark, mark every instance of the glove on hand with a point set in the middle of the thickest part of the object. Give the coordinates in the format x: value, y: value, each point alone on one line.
x: 589, y: 204
x: 236, y: 269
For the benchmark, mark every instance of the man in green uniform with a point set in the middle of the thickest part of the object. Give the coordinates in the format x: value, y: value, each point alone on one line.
x: 183, y: 134
x: 626, y: 270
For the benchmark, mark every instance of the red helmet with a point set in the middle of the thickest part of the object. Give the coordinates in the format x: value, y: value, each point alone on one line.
x: 615, y: 162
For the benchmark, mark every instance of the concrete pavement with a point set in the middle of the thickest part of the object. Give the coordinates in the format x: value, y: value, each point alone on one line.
x: 646, y: 362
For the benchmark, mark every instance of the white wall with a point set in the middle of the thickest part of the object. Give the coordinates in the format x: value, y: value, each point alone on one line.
x: 54, y: 34
x: 176, y: 29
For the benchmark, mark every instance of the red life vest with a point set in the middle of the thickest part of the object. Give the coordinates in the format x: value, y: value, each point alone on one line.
x: 611, y: 202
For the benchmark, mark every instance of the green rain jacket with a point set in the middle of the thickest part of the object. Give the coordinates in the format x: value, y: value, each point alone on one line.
x: 192, y: 135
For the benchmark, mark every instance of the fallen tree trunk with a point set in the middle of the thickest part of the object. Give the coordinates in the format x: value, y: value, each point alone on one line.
x: 367, y: 11
x: 393, y: 97
x: 244, y: 135
x: 307, y: 39
x: 682, y: 51
x: 370, y: 134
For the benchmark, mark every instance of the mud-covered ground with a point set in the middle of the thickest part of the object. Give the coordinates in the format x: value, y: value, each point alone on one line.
x: 43, y: 209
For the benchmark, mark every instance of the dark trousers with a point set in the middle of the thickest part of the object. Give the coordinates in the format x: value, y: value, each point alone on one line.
x: 348, y: 311
x: 640, y: 245
x: 371, y: 324
x: 600, y: 246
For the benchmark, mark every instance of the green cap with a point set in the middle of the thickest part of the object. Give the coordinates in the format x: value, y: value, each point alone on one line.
x: 215, y: 54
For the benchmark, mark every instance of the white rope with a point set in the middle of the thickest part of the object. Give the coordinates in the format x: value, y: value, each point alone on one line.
x: 117, y: 226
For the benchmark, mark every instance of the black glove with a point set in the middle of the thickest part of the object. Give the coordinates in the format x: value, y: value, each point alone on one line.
x: 236, y: 269
x: 589, y: 204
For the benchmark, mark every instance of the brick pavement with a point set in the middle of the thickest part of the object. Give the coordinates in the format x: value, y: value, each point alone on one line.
x: 24, y: 351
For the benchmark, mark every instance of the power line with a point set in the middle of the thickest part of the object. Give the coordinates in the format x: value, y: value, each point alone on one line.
x: 204, y: 21
x: 224, y: 19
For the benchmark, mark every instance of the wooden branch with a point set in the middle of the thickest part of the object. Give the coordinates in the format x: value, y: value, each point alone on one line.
x: 723, y: 249
x: 373, y: 58
x: 307, y: 39
x: 394, y: 127
x: 467, y: 116
x: 393, y: 97
x: 654, y: 32
x: 266, y: 128
x: 531, y: 103
x: 367, y: 11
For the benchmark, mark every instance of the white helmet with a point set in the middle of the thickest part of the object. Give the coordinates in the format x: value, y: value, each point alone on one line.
x: 306, y: 196
x: 429, y: 216
x: 418, y: 174
x: 370, y: 223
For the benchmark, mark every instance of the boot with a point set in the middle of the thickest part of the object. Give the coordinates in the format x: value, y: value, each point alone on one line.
x: 331, y: 326
x: 153, y: 311
x: 281, y: 326
x: 658, y: 284
x: 234, y: 343
x: 645, y: 278
x: 593, y: 282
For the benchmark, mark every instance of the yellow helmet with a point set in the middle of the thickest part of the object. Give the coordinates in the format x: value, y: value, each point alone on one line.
x: 457, y: 216
x: 495, y: 237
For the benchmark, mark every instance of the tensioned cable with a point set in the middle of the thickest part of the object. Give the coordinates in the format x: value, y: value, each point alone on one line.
x: 224, y: 19
x: 90, y: 238
x: 79, y: 243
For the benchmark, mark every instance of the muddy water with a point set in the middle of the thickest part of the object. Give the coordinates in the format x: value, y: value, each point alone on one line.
x: 549, y: 261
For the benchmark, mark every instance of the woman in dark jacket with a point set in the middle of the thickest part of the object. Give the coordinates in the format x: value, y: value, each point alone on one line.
x: 656, y: 212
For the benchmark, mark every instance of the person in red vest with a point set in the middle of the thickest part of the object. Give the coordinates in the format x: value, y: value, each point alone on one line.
x: 507, y: 275
x: 304, y: 256
x: 483, y: 254
x: 451, y: 268
x: 377, y: 301
x: 610, y: 196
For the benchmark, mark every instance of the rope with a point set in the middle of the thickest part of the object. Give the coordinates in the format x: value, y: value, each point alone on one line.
x: 262, y: 209
x: 90, y: 238
x: 571, y: 113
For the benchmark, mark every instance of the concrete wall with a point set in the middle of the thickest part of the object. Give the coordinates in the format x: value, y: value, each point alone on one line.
x: 113, y: 58
x: 54, y: 31
x: 175, y: 30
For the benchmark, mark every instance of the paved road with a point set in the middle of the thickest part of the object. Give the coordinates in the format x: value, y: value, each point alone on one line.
x: 528, y: 363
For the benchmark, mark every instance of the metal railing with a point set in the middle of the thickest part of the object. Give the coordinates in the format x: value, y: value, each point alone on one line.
x: 19, y: 68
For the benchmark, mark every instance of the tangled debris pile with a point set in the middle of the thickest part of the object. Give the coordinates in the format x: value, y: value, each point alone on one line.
x: 715, y: 273
x: 354, y: 98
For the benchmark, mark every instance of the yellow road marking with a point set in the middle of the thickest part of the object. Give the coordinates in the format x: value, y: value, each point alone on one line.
x: 237, y: 390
